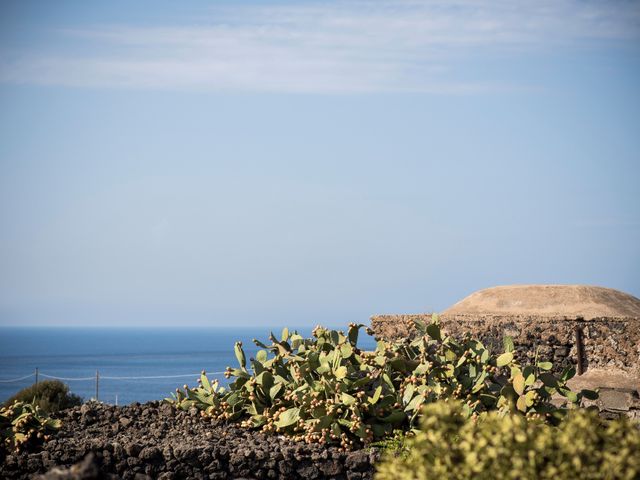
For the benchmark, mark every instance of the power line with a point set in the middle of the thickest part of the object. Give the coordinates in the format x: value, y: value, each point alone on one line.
x: 106, y: 377
x: 67, y: 379
x: 99, y: 377
x: 18, y: 379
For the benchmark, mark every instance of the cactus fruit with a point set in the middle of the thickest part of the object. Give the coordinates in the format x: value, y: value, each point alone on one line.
x: 23, y: 425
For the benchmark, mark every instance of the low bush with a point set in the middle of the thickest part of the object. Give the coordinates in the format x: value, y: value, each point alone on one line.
x: 50, y: 396
x: 499, y: 447
x: 325, y: 389
x: 24, y: 425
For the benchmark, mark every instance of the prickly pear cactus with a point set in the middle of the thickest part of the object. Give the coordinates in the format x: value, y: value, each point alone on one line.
x: 23, y: 425
x: 326, y: 389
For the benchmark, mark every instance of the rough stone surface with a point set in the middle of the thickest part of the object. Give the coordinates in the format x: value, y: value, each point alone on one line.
x: 619, y: 392
x: 610, y: 343
x: 163, y: 443
x: 86, y: 469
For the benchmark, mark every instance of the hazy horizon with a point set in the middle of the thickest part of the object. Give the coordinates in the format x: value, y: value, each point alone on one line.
x: 295, y: 163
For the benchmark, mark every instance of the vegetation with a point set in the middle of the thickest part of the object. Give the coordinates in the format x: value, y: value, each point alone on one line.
x: 510, y: 446
x: 23, y: 425
x: 325, y: 389
x: 50, y: 396
x: 395, y: 445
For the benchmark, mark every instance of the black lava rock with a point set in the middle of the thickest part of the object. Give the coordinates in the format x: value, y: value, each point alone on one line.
x: 156, y: 441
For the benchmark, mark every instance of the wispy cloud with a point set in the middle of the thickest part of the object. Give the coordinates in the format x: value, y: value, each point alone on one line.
x: 353, y: 46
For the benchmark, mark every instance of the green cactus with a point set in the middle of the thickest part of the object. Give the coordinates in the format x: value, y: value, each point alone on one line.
x: 206, y: 396
x: 23, y: 425
x: 325, y: 389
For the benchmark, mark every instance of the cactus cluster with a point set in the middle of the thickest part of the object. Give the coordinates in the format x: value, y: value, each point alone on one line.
x: 23, y: 425
x: 325, y: 389
x: 206, y: 397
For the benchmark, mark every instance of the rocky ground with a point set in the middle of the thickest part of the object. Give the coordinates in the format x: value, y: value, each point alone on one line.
x: 155, y: 441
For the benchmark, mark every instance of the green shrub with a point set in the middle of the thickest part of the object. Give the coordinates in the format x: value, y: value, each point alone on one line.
x: 496, y: 446
x: 50, y: 396
x: 395, y: 444
x: 24, y: 425
x: 325, y: 389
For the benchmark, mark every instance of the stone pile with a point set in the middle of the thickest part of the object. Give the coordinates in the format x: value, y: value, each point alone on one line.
x: 156, y: 441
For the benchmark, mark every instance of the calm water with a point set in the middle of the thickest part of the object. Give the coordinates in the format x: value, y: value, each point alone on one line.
x: 79, y: 352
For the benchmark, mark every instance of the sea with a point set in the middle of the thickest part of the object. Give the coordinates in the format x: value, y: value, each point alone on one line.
x: 124, y: 365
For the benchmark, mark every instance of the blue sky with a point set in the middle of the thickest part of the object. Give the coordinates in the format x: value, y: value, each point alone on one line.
x: 228, y: 163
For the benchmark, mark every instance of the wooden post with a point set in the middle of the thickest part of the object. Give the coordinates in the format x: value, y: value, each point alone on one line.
x: 36, y: 376
x: 97, y: 384
x: 579, y: 350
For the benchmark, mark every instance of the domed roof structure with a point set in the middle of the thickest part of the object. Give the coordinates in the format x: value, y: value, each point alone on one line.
x: 549, y: 300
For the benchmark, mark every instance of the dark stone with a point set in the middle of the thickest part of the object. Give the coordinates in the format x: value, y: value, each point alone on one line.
x: 125, y: 421
x: 86, y: 408
x: 357, y: 461
x: 167, y: 453
x: 133, y: 449
x: 331, y: 468
x: 185, y: 453
x: 308, y: 470
x: 151, y: 455
x: 87, y: 469
x: 34, y: 463
x: 166, y: 410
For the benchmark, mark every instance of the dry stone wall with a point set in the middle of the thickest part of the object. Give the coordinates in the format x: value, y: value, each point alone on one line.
x: 607, y: 344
